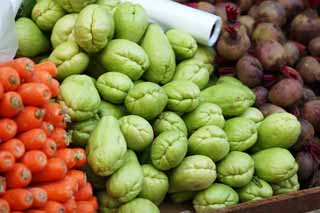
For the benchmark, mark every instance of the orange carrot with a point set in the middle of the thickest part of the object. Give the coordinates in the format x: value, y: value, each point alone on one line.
x: 3, y: 185
x: 34, y: 94
x: 40, y: 197
x: 18, y: 199
x: 45, y: 78
x: 29, y: 118
x: 4, y: 206
x: 94, y: 202
x: 35, y: 211
x: 50, y: 148
x: 7, y: 161
x: 47, y: 66
x: 15, y: 146
x: 58, y: 191
x: 85, y: 207
x: 1, y: 91
x: 70, y: 206
x: 84, y: 193
x: 35, y: 160
x: 47, y: 127
x: 8, y: 129
x: 9, y: 78
x: 11, y: 104
x: 61, y: 137
x: 79, y: 176
x: 81, y: 156
x: 53, y: 207
x: 33, y: 139
x: 72, y: 182
x: 24, y: 67
x: 69, y: 156
x: 55, y: 114
x: 55, y: 170
x: 19, y: 176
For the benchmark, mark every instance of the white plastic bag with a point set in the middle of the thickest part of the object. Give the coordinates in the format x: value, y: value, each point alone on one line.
x: 8, y: 37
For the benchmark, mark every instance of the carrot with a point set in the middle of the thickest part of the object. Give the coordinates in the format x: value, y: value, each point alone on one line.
x: 18, y: 199
x: 81, y: 156
x: 11, y: 104
x: 16, y: 212
x: 55, y: 114
x: 55, y: 170
x: 35, y: 211
x: 4, y: 206
x: 15, y: 146
x: 1, y: 91
x: 85, y: 207
x: 19, y: 176
x: 72, y: 182
x: 34, y: 94
x: 61, y: 137
x: 8, y: 129
x: 47, y: 127
x: 70, y: 206
x: 40, y: 76
x: 40, y: 197
x: 3, y: 185
x: 50, y: 147
x: 24, y: 67
x: 33, y: 139
x: 80, y: 176
x: 35, y: 160
x: 94, y: 202
x: 7, y: 161
x: 49, y: 67
x: 58, y: 191
x: 53, y: 207
x: 9, y: 78
x: 29, y: 118
x: 84, y: 193
x: 69, y: 156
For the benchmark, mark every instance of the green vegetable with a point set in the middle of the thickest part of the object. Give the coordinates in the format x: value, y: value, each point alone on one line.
x: 111, y: 5
x: 63, y: 30
x: 106, y: 202
x: 207, y: 56
x: 74, y: 6
x: 169, y: 121
x: 139, y: 205
x: 286, y: 186
x: 253, y: 114
x: 98, y: 182
x: 257, y: 189
x: 106, y: 109
x: 181, y: 197
x: 81, y: 131
x: 26, y: 8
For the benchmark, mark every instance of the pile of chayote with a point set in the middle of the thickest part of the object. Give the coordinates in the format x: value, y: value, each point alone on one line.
x: 153, y: 120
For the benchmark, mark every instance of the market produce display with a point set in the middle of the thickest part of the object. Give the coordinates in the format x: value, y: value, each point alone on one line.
x: 161, y: 118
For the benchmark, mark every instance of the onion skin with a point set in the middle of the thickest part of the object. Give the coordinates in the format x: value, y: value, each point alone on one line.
x: 314, y: 47
x: 248, y: 22
x: 306, y: 165
x: 292, y: 53
x: 309, y: 69
x: 249, y: 71
x: 311, y: 112
x: 266, y: 31
x: 293, y: 7
x: 271, y: 11
x: 261, y: 95
x: 306, y: 135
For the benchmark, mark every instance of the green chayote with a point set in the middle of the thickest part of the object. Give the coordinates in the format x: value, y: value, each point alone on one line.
x: 229, y: 80
x: 169, y: 149
x: 139, y: 205
x: 210, y: 141
x: 161, y: 55
x: 74, y: 6
x: 286, y: 186
x: 257, y: 189
x: 63, y: 30
x: 207, y: 56
x: 131, y: 21
x: 253, y: 114
x: 106, y: 138
x: 46, y: 13
x: 137, y: 131
x: 106, y: 109
x: 107, y: 202
x: 126, y: 57
x: 81, y: 131
x: 110, y: 4
x: 169, y: 121
x: 181, y: 197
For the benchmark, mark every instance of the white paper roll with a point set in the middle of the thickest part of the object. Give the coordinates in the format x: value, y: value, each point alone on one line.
x: 204, y: 27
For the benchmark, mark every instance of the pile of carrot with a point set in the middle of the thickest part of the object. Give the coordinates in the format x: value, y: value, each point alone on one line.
x: 38, y: 172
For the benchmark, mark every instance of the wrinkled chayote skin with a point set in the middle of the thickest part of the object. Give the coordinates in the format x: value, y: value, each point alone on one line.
x: 114, y: 87
x: 93, y: 28
x: 183, y: 44
x: 204, y: 114
x: 79, y: 96
x: 210, y: 141
x: 107, y: 202
x: 126, y: 183
x: 183, y: 96
x: 81, y: 131
x: 278, y: 130
x: 241, y: 132
x: 131, y: 21
x: 63, y: 30
x: 194, y: 173
x: 111, y: 5
x: 169, y: 121
x: 106, y: 138
x: 181, y: 197
x: 286, y: 186
x: 74, y: 6
x: 137, y: 131
x: 215, y: 197
x: 193, y: 70
x: 139, y: 205
x: 155, y: 184
x: 229, y: 80
x: 31, y: 41
x: 147, y: 100
x: 46, y: 13
x: 169, y: 149
x: 207, y: 56
x: 161, y: 55
x: 69, y: 59
x: 126, y: 57
x: 106, y: 108
x: 253, y: 114
x: 236, y: 170
x: 274, y: 165
x: 257, y: 189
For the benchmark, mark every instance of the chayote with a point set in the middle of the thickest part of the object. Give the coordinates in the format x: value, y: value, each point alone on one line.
x: 183, y: 44
x: 74, y: 6
x: 286, y: 186
x: 229, y: 80
x: 169, y: 149
x: 278, y: 130
x: 139, y: 205
x: 155, y: 184
x: 193, y: 70
x: 204, y: 114
x: 257, y: 189
x: 236, y: 169
x: 81, y: 131
x: 106, y: 109
x: 210, y: 141
x: 31, y: 41
x: 169, y: 121
x: 194, y: 173
x: 107, y: 202
x: 215, y: 197
x: 126, y: 183
x: 207, y: 56
x: 46, y: 13
x: 147, y: 100
x: 126, y: 57
x: 233, y: 99
x: 241, y: 132
x: 98, y: 182
x: 79, y: 96
x: 274, y: 164
x: 131, y: 21
x: 106, y: 138
x: 181, y: 197
x: 137, y: 131
x: 114, y: 87
x: 63, y: 30
x: 93, y: 28
x: 161, y: 55
x: 111, y: 5
x: 69, y: 59
x: 183, y: 96
x: 253, y: 114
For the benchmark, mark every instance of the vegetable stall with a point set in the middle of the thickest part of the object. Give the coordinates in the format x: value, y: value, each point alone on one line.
x: 104, y: 110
